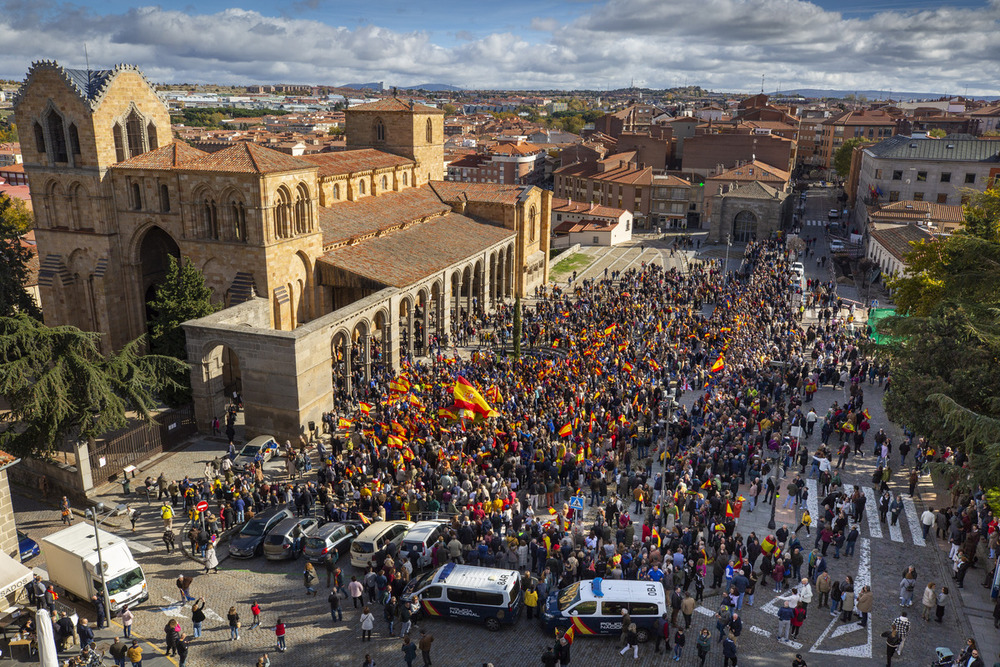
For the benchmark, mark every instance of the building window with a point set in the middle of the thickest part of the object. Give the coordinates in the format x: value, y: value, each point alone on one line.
x: 918, y: 196
x: 39, y: 138
x: 136, y: 197
x: 970, y: 179
x: 921, y: 175
x: 210, y: 219
x: 302, y: 209
x: 57, y: 137
x: 532, y: 221
x: 336, y: 190
x: 239, y: 221
x: 164, y: 199
x: 119, y: 143
x: 361, y: 186
x: 282, y: 215
x: 946, y: 177
x: 405, y: 178
x: 151, y: 137
x: 133, y: 132
x: 74, y: 139
x: 897, y: 175
x: 942, y: 198
x: 385, y: 183
x: 893, y: 195
x: 430, y: 131
x: 597, y: 239
x: 379, y: 130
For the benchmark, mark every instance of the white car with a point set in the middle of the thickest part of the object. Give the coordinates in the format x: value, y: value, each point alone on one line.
x: 837, y: 246
x: 798, y: 269
x: 833, y: 213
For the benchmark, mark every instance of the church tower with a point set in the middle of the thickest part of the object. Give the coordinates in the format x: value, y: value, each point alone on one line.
x: 405, y: 128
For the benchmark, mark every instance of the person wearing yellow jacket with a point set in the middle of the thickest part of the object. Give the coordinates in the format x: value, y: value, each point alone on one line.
x: 531, y: 601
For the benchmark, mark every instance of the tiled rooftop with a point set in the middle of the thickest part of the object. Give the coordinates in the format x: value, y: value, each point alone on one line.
x: 896, y: 240
x: 403, y: 257
x: 350, y: 162
x: 576, y: 207
x: 347, y: 220
x: 479, y: 192
x: 166, y: 157
x: 396, y: 104
x: 249, y: 158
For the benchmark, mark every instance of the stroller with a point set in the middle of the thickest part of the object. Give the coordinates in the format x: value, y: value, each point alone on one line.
x: 945, y: 658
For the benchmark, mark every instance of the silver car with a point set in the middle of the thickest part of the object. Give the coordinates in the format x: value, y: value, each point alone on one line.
x: 288, y: 538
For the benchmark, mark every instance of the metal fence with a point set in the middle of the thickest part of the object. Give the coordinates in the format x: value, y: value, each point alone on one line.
x: 138, y: 442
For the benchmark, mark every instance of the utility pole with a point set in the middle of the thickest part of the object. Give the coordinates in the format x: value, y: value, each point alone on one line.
x: 776, y: 476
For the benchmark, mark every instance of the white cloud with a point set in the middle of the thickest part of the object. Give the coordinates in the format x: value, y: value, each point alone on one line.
x: 723, y: 44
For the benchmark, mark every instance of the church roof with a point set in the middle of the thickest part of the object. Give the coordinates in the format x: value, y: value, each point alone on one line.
x: 247, y: 158
x: 89, y: 85
x: 493, y: 193
x: 350, y: 220
x: 396, y: 104
x: 174, y: 154
x: 754, y: 170
x: 350, y: 162
x: 405, y: 256
x: 755, y: 190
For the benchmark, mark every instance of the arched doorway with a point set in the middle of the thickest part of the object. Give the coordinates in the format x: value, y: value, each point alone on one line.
x: 405, y: 323
x: 340, y: 354
x: 224, y: 377
x: 744, y: 227
x: 154, y: 252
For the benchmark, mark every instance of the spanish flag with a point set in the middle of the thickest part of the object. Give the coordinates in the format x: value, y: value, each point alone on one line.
x: 729, y: 511
x: 400, y: 384
x: 866, y: 414
x: 593, y: 417
x: 365, y: 408
x: 656, y: 538
x: 718, y: 365
x: 610, y: 330
x: 445, y: 413
x: 570, y: 634
x: 848, y: 427
x: 566, y: 430
x: 468, y: 397
x: 627, y: 367
x: 344, y: 423
x: 579, y: 455
x: 394, y: 441
x: 493, y: 393
x: 707, y: 484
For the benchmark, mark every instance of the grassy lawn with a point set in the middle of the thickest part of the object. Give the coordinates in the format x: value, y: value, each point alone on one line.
x: 567, y: 266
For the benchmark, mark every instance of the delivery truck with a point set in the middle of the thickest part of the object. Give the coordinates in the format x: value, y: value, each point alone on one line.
x: 71, y: 560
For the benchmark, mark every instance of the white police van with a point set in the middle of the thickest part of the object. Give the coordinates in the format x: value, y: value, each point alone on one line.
x: 483, y: 594
x: 595, y: 607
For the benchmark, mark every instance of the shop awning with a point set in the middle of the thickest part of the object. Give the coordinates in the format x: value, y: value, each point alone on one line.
x: 13, y: 575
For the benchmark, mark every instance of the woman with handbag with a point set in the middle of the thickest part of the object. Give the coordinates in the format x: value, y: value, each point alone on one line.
x: 234, y: 624
x: 367, y: 624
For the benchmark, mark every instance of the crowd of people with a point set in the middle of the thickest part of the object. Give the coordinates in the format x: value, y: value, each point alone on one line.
x: 592, y: 407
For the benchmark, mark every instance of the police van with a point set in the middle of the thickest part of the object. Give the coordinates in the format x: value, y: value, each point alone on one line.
x: 595, y: 607
x: 483, y: 594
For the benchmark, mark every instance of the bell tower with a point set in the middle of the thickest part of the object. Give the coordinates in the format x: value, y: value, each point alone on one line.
x: 401, y: 127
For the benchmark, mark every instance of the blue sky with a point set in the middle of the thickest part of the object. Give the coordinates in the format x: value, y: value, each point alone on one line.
x: 720, y: 44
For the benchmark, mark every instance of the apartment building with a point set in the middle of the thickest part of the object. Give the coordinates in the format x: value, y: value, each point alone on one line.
x: 514, y: 163
x: 616, y: 181
x: 868, y: 124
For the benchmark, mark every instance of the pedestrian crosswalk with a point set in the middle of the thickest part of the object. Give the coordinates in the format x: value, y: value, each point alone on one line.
x: 908, y: 518
x: 815, y: 223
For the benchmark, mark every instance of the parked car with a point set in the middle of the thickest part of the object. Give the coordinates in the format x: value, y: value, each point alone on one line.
x: 27, y: 546
x: 833, y: 213
x: 287, y: 539
x: 264, y: 445
x: 332, y: 538
x: 837, y: 246
x: 250, y: 541
x: 420, y: 539
x: 375, y: 539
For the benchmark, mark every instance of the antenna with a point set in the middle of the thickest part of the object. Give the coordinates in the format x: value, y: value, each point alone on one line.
x: 762, y: 84
x: 86, y: 56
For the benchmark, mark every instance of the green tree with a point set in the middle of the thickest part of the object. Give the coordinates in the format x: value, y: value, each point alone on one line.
x: 182, y: 296
x: 982, y: 214
x: 937, y: 133
x: 15, y: 263
x: 58, y: 385
x: 842, y: 156
x: 15, y: 213
x: 449, y: 109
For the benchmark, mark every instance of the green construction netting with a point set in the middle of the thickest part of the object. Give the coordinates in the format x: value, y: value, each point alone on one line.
x: 873, y: 318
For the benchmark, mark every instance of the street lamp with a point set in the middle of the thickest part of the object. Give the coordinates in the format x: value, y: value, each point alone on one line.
x: 775, y: 475
x: 93, y: 515
x: 671, y: 406
x: 725, y: 269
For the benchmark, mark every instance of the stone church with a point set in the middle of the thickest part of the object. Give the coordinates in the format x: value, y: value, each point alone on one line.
x: 328, y: 265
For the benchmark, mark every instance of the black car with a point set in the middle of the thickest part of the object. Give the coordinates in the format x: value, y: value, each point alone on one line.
x: 250, y: 541
x: 332, y: 539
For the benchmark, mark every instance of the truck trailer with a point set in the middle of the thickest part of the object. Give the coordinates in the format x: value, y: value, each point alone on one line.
x: 71, y: 560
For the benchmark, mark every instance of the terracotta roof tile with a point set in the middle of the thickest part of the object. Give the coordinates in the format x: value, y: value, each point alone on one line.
x: 352, y: 219
x: 396, y: 104
x: 350, y: 162
x: 596, y: 210
x: 897, y: 240
x: 516, y: 149
x: 479, y: 192
x: 247, y: 158
x: 754, y: 171
x: 918, y: 211
x: 172, y: 155
x: 403, y: 257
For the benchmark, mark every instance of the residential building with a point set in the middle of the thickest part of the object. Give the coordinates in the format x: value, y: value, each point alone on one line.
x: 987, y: 119
x: 10, y: 154
x: 617, y: 181
x: 633, y: 118
x: 869, y: 124
x: 704, y: 153
x: 935, y: 218
x: 921, y: 169
x: 588, y: 224
x: 671, y: 207
x: 888, y: 246
x: 512, y: 163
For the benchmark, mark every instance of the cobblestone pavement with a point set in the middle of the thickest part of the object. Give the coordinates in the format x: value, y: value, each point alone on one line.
x: 313, y: 639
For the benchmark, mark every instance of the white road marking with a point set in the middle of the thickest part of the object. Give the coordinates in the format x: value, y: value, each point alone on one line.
x: 759, y: 631
x: 871, y: 511
x: 704, y: 611
x: 863, y: 578
x: 913, y: 521
x: 176, y: 606
x: 139, y: 547
x: 812, y: 502
x: 895, y: 532
x: 844, y: 629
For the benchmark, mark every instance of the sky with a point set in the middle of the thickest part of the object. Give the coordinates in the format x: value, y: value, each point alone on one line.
x: 723, y: 45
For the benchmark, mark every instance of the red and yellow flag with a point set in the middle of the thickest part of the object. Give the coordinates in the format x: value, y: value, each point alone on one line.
x: 468, y: 397
x: 566, y: 430
x: 718, y: 365
x: 610, y: 330
x: 365, y: 408
x: 344, y: 423
x: 400, y: 384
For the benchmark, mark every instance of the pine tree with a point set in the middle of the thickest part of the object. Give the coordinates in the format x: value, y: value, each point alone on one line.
x: 182, y: 296
x: 58, y: 385
x: 517, y: 327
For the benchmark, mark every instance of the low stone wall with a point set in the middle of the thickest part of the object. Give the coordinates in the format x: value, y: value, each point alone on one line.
x: 564, y: 254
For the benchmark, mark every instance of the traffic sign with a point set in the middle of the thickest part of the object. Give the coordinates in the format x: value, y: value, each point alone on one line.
x: 202, y: 506
x: 576, y: 502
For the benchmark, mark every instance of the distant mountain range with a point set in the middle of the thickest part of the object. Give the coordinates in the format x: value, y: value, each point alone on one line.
x: 870, y: 94
x: 378, y: 85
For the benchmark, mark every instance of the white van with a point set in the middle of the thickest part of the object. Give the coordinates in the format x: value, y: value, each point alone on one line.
x: 375, y: 538
x: 485, y: 594
x: 420, y: 539
x: 595, y: 607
